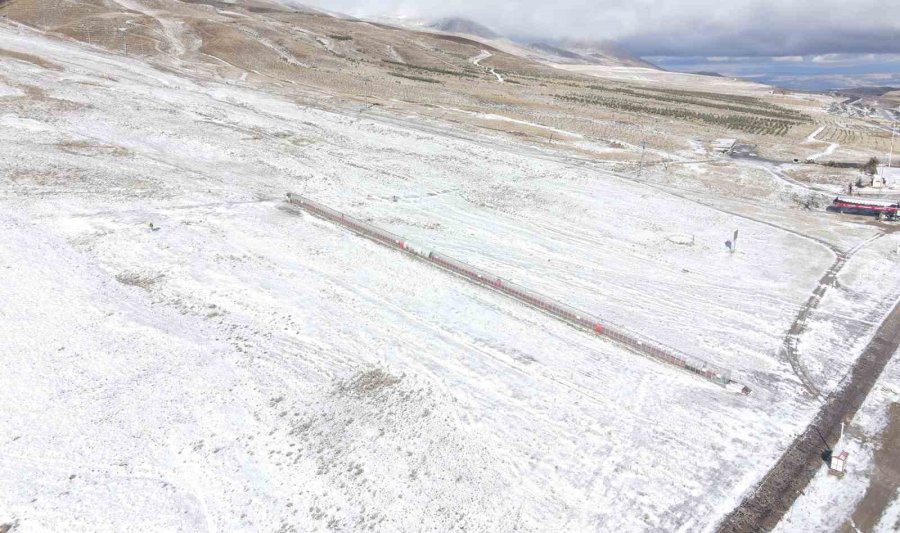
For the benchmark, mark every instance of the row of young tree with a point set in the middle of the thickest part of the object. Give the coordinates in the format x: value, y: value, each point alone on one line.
x: 741, y: 122
x: 745, y: 105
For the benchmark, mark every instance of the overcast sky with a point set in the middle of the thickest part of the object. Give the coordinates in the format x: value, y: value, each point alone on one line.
x: 673, y: 27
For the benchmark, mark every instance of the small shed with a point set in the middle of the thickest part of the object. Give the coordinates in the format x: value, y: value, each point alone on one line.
x: 838, y: 463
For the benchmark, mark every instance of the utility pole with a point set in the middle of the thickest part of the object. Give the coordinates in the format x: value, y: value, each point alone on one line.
x: 891, y: 153
x: 366, y: 80
x: 826, y: 454
x: 124, y: 40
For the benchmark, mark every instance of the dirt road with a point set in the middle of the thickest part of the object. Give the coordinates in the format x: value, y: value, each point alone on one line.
x: 884, y: 481
x: 762, y: 509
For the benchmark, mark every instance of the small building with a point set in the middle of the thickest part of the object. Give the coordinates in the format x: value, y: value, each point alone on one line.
x: 838, y: 463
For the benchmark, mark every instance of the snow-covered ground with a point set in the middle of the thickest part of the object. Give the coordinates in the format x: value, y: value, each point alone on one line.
x: 244, y: 366
x: 891, y: 178
x: 603, y: 246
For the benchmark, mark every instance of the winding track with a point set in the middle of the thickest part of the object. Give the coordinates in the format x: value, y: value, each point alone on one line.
x: 482, y: 56
x: 828, y: 279
x: 827, y: 151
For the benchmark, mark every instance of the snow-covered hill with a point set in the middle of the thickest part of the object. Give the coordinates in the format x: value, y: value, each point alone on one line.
x: 242, y: 366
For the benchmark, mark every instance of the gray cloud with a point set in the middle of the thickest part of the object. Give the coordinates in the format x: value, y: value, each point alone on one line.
x: 672, y: 27
x: 815, y: 72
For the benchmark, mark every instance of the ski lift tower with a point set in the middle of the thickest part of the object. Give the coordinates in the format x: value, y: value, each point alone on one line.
x: 891, y: 153
x: 124, y: 32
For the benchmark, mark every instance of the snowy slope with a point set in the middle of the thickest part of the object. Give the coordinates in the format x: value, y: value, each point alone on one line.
x: 248, y: 367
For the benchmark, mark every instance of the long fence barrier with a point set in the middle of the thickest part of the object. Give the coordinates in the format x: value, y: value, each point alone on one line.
x: 629, y: 339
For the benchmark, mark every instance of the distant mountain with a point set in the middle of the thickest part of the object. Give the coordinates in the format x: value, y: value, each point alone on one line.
x: 462, y: 25
x: 555, y: 50
x: 708, y: 73
x: 866, y: 91
x: 590, y: 52
x: 569, y: 51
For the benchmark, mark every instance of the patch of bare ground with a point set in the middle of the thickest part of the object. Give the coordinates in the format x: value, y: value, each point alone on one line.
x: 88, y: 148
x: 32, y: 177
x: 823, y: 174
x: 33, y: 59
x: 892, y: 97
x: 36, y: 103
x: 884, y: 481
x: 368, y: 383
x: 141, y: 280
